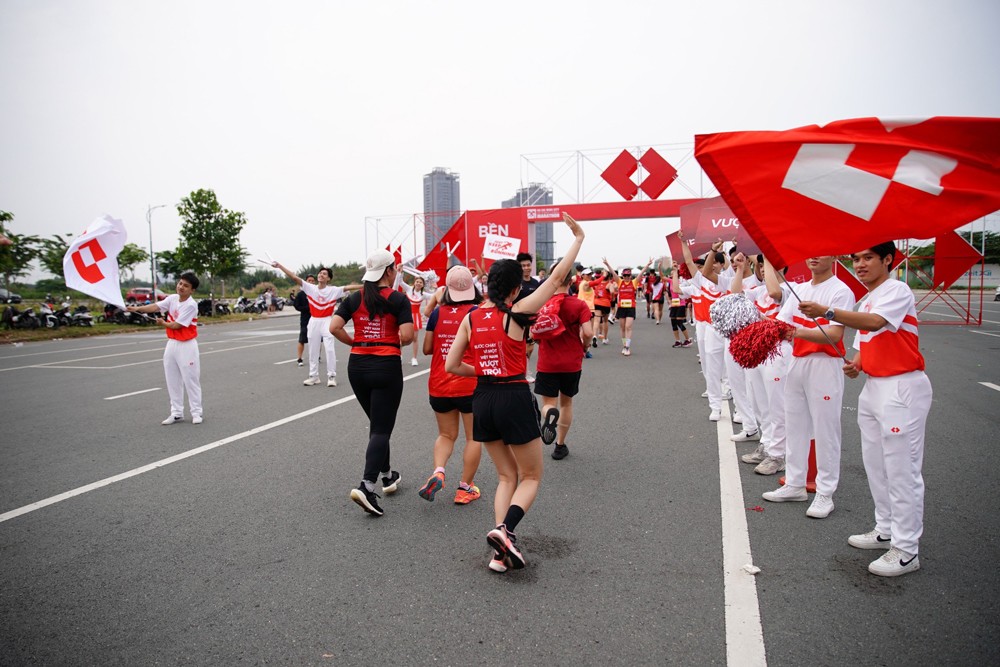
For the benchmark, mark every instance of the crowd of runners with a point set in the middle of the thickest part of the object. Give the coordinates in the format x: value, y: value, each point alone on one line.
x: 481, y: 327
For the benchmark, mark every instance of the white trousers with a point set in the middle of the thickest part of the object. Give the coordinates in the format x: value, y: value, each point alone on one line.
x: 319, y: 332
x: 814, y: 396
x: 713, y: 351
x: 892, y: 415
x: 775, y: 373
x: 758, y: 398
x: 182, y: 366
x: 738, y: 386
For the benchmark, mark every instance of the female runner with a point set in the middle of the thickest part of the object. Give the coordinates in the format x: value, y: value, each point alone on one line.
x: 504, y: 413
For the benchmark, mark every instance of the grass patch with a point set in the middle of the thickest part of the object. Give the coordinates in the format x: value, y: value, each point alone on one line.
x: 102, y: 329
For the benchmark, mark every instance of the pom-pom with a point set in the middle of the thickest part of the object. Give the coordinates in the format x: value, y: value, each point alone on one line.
x: 758, y: 342
x: 732, y: 313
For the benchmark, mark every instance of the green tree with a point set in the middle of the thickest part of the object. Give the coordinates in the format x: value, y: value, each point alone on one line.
x: 210, y: 236
x: 168, y: 264
x: 16, y: 258
x: 130, y: 257
x: 343, y: 274
x: 51, y: 253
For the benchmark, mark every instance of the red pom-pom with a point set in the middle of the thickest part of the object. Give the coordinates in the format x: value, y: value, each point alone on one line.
x: 758, y: 342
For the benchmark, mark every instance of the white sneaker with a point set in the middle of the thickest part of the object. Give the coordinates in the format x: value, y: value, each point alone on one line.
x: 756, y: 456
x: 727, y: 395
x: 704, y: 394
x: 743, y: 436
x: 197, y: 420
x: 714, y: 416
x: 770, y: 465
x: 894, y: 563
x: 172, y: 420
x: 311, y: 381
x: 529, y: 378
x: 414, y: 362
x: 787, y: 494
x: 737, y: 418
x: 331, y: 381
x: 870, y: 540
x: 821, y: 507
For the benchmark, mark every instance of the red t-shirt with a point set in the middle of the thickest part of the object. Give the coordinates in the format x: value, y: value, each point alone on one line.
x: 444, y: 323
x: 564, y: 353
x: 495, y: 353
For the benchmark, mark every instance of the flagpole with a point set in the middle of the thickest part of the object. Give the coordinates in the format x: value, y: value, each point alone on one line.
x: 152, y: 261
x: 818, y: 325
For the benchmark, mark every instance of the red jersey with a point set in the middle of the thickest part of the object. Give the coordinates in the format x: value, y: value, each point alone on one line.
x: 708, y: 293
x: 602, y: 297
x: 626, y: 293
x: 494, y: 353
x: 833, y: 293
x: 444, y: 322
x: 564, y: 353
x: 376, y: 335
x: 895, y: 348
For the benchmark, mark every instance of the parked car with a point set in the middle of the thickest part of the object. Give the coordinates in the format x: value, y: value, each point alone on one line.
x: 9, y: 297
x: 997, y: 297
x: 142, y: 294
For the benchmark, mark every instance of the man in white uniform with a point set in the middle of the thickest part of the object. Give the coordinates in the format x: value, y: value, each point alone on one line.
x: 181, y: 361
x: 323, y: 299
x: 892, y: 408
x: 814, y: 390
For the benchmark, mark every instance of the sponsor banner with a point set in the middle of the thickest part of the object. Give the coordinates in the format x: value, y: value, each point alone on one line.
x: 544, y: 213
x: 709, y: 220
x: 501, y: 247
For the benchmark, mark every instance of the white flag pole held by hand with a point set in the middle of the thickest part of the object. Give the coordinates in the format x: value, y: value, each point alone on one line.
x: 91, y: 262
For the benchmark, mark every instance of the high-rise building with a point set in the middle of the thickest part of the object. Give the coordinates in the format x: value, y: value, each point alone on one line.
x: 537, y: 194
x: 442, y: 205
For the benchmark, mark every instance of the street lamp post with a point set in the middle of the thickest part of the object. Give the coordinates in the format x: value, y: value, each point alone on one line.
x: 152, y: 260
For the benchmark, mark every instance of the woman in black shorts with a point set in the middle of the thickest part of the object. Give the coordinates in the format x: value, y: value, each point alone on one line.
x: 503, y: 409
x: 382, y: 325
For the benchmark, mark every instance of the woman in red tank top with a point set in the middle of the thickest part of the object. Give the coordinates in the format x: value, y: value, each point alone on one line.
x: 505, y: 416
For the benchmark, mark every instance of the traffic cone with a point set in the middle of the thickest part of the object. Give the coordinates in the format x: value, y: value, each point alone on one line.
x: 811, y: 472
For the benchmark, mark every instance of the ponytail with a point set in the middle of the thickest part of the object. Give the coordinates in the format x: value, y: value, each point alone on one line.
x: 504, y: 278
x: 376, y: 304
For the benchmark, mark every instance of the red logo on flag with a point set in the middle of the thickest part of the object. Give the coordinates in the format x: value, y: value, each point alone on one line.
x: 659, y: 174
x: 895, y: 429
x: 90, y: 272
x: 826, y: 398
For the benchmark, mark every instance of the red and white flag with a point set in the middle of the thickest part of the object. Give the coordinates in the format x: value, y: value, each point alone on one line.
x: 852, y: 184
x: 91, y: 263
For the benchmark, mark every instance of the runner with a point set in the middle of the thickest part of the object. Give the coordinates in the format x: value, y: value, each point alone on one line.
x: 382, y: 325
x: 678, y: 307
x: 628, y: 291
x: 892, y: 408
x: 418, y: 297
x: 560, y: 365
x: 602, y: 304
x: 451, y: 395
x: 504, y: 413
x: 657, y: 292
x: 322, y: 300
x: 815, y: 389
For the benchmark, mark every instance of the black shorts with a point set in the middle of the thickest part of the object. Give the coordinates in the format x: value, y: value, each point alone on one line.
x: 505, y: 412
x: 604, y: 310
x: 553, y: 384
x: 678, y: 312
x: 626, y: 312
x: 303, y: 334
x: 445, y: 404
x: 659, y: 301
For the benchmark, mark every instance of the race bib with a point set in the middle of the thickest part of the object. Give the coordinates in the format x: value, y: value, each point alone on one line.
x: 675, y: 303
x: 625, y: 303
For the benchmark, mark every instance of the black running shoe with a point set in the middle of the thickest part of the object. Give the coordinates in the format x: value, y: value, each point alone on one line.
x: 366, y: 499
x: 560, y: 452
x: 390, y: 483
x: 549, y: 426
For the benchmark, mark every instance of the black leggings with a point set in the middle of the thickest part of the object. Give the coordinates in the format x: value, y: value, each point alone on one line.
x: 377, y: 382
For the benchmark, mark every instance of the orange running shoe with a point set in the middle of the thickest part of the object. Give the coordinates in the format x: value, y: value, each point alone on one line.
x: 434, y: 484
x: 466, y: 496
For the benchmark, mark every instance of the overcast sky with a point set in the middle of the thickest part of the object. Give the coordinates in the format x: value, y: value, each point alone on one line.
x: 312, y: 116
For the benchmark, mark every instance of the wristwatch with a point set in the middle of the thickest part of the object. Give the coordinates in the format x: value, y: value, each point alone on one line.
x: 828, y: 314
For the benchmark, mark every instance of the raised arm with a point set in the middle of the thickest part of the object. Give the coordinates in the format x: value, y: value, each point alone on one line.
x: 771, y: 279
x: 686, y: 251
x: 534, y: 301
x: 277, y: 265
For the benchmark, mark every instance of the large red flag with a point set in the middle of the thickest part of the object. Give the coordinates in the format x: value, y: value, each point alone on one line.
x: 852, y: 184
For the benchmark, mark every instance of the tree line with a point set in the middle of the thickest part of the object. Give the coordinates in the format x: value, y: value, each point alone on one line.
x: 209, y: 245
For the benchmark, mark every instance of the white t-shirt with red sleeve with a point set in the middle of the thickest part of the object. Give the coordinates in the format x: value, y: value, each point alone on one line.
x: 895, y: 348
x: 832, y: 293
x: 184, y: 313
x: 322, y: 300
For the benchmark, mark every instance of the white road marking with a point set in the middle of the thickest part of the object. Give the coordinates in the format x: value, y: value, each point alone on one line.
x: 6, y: 516
x: 983, y: 333
x: 744, y: 634
x: 990, y: 385
x: 279, y: 363
x: 134, y: 393
x: 956, y: 316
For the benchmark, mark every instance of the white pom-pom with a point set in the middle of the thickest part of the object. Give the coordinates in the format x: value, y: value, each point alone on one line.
x: 733, y: 312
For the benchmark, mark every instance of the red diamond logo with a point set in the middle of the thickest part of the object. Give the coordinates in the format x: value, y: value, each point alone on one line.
x: 659, y: 174
x: 826, y: 398
x: 895, y: 429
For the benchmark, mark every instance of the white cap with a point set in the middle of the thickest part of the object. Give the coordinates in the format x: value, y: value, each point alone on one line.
x: 376, y: 265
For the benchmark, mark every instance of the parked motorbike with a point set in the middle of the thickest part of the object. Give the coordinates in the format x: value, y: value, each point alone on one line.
x: 243, y: 305
x: 47, y: 316
x: 13, y: 318
x: 80, y: 317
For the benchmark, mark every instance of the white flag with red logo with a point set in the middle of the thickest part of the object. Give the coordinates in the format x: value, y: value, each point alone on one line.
x: 853, y: 184
x: 91, y: 263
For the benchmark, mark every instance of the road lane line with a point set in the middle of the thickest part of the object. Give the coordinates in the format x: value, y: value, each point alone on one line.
x: 990, y: 385
x: 6, y: 516
x: 744, y: 634
x: 983, y: 333
x: 134, y: 393
x: 278, y: 363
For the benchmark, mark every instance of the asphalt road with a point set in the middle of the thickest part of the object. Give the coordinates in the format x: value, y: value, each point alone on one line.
x: 234, y: 542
